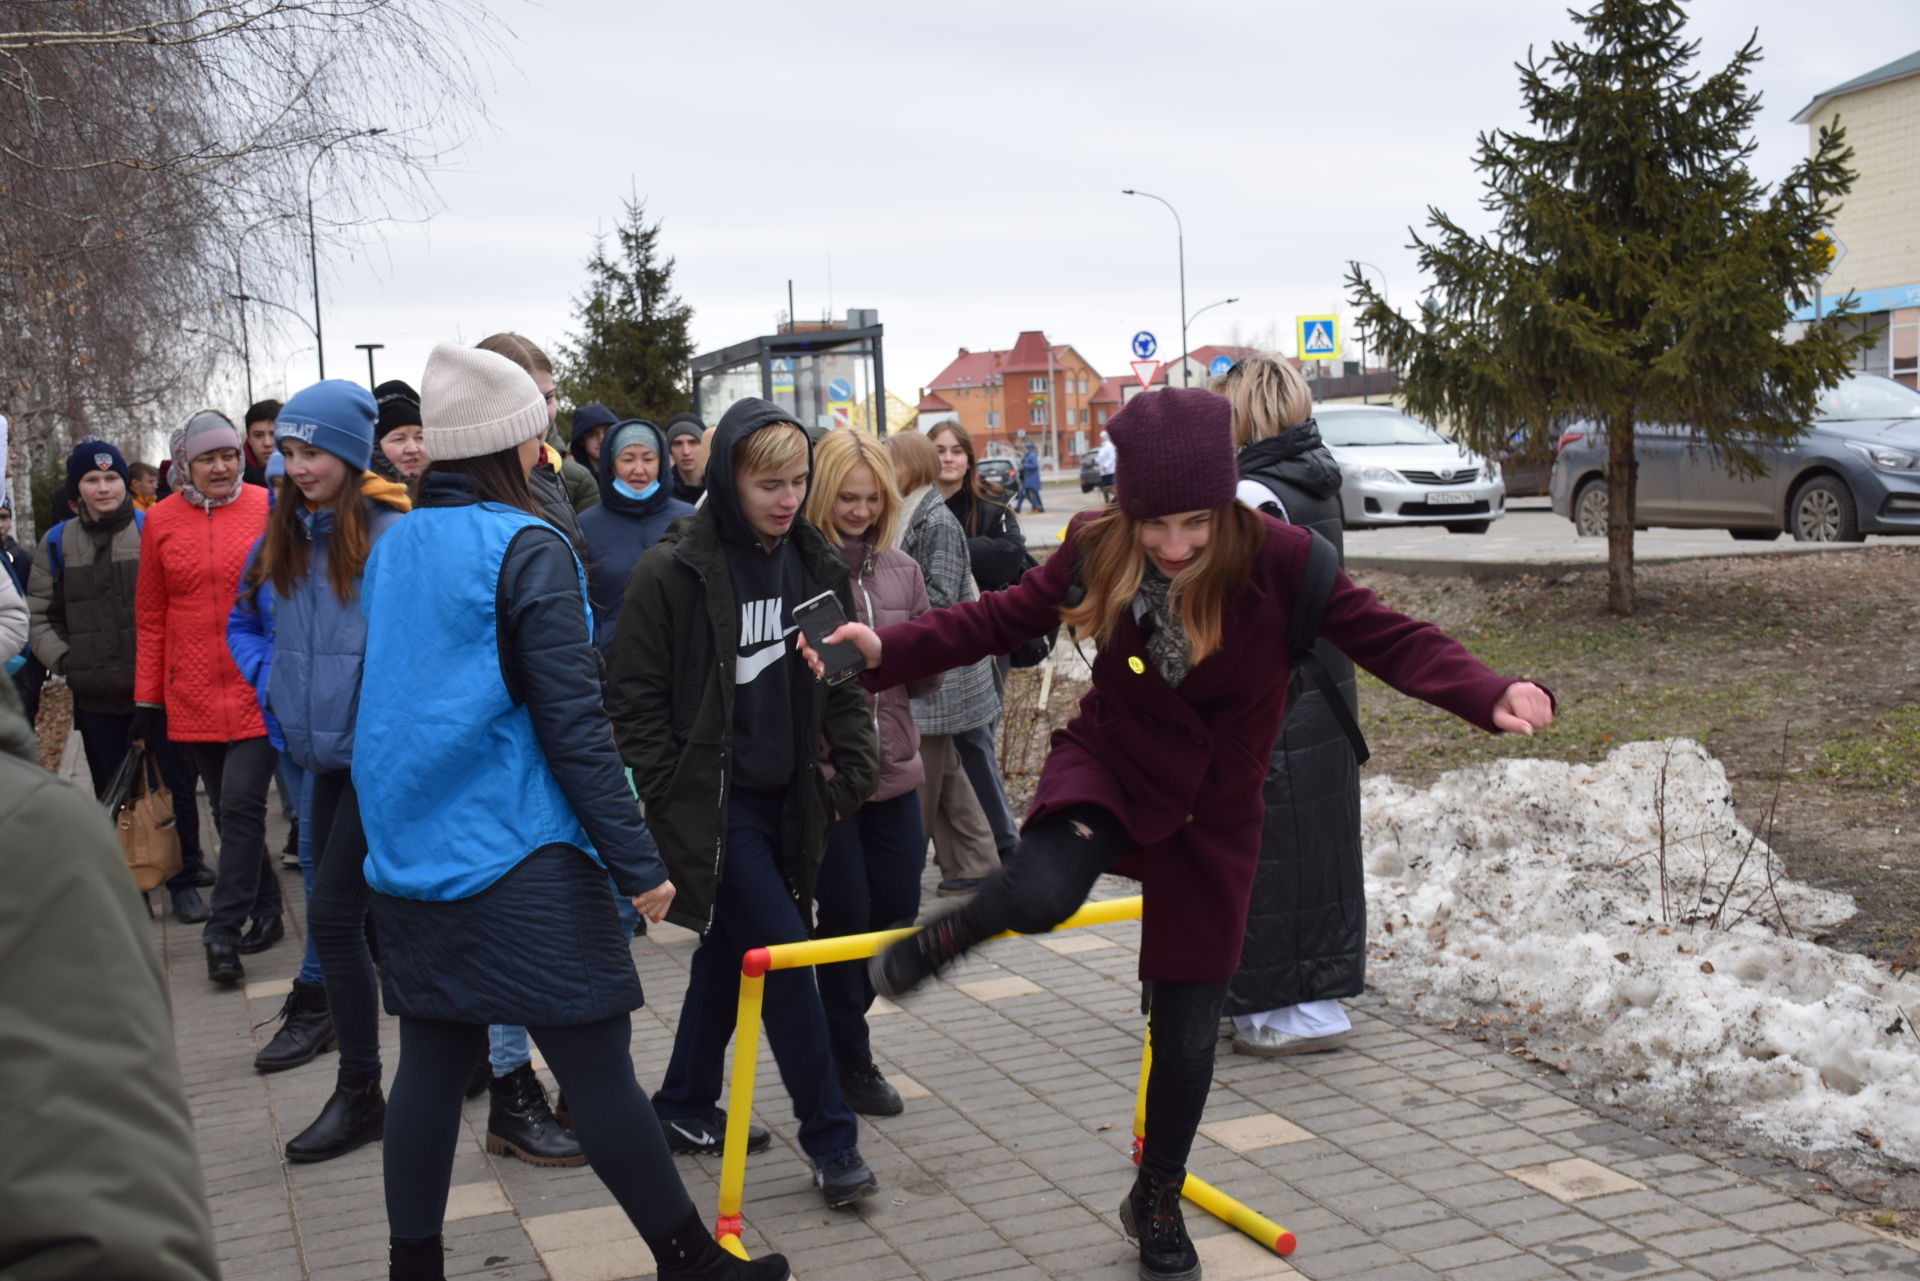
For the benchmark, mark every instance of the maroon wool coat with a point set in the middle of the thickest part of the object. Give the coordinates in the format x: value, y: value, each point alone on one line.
x: 1182, y: 768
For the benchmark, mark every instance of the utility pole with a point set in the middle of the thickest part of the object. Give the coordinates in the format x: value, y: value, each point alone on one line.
x: 313, y: 240
x: 1180, y: 238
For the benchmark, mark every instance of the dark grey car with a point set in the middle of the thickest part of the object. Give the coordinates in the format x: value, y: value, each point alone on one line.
x: 1855, y: 472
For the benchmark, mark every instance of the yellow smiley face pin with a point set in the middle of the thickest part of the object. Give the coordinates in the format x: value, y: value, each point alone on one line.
x: 1138, y: 667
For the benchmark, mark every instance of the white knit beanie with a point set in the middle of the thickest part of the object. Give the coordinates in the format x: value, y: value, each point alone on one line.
x: 474, y: 403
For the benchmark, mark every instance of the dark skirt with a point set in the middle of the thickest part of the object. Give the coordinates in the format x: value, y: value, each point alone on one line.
x: 540, y: 947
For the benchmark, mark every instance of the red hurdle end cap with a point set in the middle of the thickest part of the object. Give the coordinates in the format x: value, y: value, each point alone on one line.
x: 756, y: 962
x: 1284, y: 1243
x: 1138, y: 1144
x: 728, y: 1225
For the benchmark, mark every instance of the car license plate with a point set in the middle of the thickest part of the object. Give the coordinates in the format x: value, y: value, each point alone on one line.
x: 1444, y: 498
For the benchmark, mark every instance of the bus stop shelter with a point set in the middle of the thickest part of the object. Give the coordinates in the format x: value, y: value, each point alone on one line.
x: 818, y: 376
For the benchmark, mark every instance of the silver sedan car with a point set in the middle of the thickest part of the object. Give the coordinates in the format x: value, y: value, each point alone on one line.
x: 1396, y: 470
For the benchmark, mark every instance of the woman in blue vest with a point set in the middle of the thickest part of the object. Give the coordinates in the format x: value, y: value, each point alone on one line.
x: 481, y: 683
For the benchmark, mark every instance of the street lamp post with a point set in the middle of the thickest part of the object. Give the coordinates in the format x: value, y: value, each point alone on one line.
x: 1195, y: 316
x: 1180, y: 237
x: 1357, y: 265
x: 370, y: 348
x: 313, y: 238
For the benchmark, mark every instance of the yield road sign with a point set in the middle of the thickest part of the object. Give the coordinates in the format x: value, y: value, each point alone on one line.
x: 1144, y: 345
x: 1146, y: 371
x: 1318, y: 337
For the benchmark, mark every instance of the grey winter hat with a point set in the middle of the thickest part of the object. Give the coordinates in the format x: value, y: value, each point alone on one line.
x: 474, y: 403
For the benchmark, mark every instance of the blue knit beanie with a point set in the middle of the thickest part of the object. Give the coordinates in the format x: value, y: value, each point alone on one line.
x: 89, y: 456
x: 336, y: 415
x: 631, y: 431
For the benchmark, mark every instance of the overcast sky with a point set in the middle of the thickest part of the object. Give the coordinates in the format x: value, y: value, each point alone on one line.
x: 959, y: 167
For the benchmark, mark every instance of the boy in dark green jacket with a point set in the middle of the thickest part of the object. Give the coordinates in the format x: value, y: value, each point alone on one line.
x: 721, y: 724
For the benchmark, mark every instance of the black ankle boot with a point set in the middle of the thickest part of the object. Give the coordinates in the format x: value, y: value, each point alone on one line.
x: 355, y: 1115
x: 262, y: 934
x: 1151, y: 1215
x: 689, y: 1252
x: 304, y: 1036
x: 223, y: 963
x: 520, y: 1124
x: 418, y: 1259
x: 913, y: 960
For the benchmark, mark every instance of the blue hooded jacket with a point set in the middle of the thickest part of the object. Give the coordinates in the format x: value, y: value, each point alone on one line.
x: 620, y: 528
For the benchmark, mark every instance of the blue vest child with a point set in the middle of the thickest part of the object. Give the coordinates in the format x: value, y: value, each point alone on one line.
x: 443, y: 754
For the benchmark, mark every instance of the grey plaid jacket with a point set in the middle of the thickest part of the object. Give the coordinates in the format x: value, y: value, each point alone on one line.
x: 969, y: 696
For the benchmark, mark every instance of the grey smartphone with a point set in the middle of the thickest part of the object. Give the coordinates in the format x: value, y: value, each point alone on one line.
x: 818, y: 619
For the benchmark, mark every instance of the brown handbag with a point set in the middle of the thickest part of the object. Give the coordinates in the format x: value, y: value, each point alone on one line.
x: 142, y: 811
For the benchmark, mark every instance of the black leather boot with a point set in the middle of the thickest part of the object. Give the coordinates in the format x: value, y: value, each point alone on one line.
x: 262, y: 934
x: 1151, y: 1216
x: 420, y: 1259
x: 304, y: 1036
x: 520, y: 1124
x: 354, y: 1116
x: 688, y: 1251
x: 188, y: 907
x: 223, y: 963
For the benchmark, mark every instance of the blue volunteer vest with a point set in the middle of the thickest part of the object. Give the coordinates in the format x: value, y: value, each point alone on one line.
x: 454, y: 788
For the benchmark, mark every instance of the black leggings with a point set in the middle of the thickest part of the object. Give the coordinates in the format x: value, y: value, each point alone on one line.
x: 615, y: 1123
x: 337, y: 919
x: 1061, y: 855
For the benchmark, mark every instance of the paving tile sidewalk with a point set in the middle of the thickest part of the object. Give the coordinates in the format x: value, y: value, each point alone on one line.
x: 1413, y: 1153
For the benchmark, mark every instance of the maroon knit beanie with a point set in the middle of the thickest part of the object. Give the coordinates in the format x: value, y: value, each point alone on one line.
x: 1173, y: 452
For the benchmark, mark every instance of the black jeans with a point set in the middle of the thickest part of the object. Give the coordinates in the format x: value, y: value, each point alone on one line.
x: 869, y: 880
x: 615, y: 1124
x: 1060, y: 857
x: 337, y: 920
x: 177, y: 773
x: 104, y: 734
x: 753, y: 909
x: 238, y: 776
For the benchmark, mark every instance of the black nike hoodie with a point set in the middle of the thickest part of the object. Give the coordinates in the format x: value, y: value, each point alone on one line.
x: 767, y: 584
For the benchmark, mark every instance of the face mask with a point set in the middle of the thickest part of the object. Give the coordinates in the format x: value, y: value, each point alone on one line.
x: 625, y: 490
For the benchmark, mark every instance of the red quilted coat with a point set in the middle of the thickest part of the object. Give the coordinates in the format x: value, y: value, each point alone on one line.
x: 190, y: 564
x: 1183, y: 768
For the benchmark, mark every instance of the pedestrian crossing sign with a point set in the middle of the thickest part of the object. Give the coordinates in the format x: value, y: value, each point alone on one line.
x: 1318, y: 337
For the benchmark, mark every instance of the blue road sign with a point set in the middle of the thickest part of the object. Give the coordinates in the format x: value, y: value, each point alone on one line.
x: 1220, y: 365
x: 1144, y: 345
x: 839, y: 389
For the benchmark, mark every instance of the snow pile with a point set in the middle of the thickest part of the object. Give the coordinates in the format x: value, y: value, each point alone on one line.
x: 1626, y: 906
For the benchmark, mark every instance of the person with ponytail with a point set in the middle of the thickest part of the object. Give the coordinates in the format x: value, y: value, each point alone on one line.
x: 483, y: 748
x: 1187, y: 594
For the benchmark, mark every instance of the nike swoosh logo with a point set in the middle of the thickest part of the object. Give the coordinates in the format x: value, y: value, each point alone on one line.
x: 747, y: 670
x: 703, y: 1137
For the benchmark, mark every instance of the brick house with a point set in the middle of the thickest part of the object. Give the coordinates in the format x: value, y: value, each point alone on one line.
x: 1005, y: 398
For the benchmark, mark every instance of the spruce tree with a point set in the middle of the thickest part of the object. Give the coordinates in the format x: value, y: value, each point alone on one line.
x: 1638, y: 273
x: 632, y: 348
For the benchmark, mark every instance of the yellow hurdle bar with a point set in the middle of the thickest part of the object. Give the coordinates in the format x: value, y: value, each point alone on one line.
x: 855, y: 947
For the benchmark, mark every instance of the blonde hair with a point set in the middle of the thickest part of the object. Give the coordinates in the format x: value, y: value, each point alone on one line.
x: 1112, y: 561
x: 520, y: 350
x: 838, y: 455
x: 915, y: 459
x: 771, y: 449
x: 1268, y: 396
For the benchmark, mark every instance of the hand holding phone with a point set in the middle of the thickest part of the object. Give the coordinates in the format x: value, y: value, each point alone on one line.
x: 818, y: 619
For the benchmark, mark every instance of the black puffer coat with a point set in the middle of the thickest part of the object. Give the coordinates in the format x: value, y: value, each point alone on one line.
x: 1307, y: 928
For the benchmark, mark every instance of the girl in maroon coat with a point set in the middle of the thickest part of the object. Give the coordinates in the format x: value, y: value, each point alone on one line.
x: 1187, y: 595
x: 870, y: 877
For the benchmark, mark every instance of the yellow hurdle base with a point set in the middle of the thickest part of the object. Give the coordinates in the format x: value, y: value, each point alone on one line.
x: 849, y: 947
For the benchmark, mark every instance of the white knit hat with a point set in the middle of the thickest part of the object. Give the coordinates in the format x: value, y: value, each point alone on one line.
x: 474, y: 403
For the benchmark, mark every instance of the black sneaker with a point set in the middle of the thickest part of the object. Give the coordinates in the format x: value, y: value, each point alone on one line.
x: 843, y: 1177
x: 707, y: 1135
x: 903, y: 966
x: 868, y: 1093
x: 1151, y: 1216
